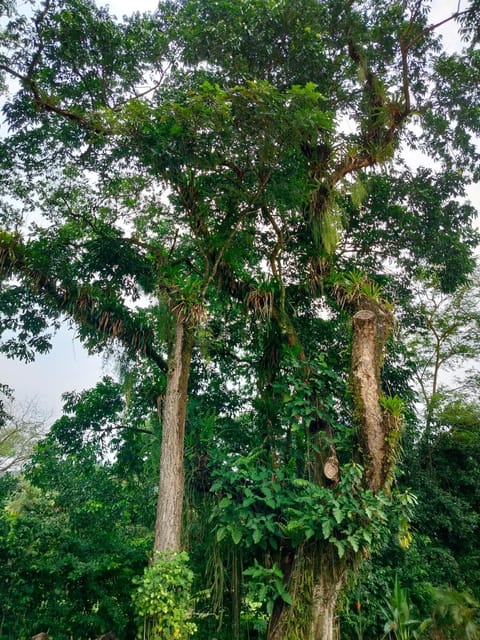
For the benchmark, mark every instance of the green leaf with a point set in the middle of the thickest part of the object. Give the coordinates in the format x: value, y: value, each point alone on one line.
x: 236, y: 535
x: 257, y: 536
x: 352, y: 540
x: 286, y: 597
x: 327, y: 529
x: 340, y: 547
x: 367, y: 536
x: 338, y: 514
x: 221, y: 533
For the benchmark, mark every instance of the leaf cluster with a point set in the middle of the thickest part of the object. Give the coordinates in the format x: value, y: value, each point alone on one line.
x: 267, y: 509
x: 163, y: 598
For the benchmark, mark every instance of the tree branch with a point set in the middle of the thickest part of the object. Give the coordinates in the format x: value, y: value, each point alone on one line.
x: 112, y: 321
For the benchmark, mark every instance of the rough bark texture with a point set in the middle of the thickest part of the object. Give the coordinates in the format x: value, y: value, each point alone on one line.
x: 370, y: 332
x: 316, y: 578
x: 168, y: 526
x: 331, y: 580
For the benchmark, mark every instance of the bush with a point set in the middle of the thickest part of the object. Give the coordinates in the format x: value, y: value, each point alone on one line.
x: 163, y: 599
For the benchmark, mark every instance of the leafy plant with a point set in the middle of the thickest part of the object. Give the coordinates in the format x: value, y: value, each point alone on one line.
x: 266, y: 585
x: 400, y: 624
x: 455, y: 614
x: 163, y: 599
x: 259, y: 507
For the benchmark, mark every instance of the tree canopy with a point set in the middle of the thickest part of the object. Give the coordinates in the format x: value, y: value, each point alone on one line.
x: 219, y: 191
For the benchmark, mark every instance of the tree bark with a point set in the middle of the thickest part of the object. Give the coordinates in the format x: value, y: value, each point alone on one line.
x: 317, y: 576
x: 370, y: 333
x: 168, y: 526
x: 330, y: 583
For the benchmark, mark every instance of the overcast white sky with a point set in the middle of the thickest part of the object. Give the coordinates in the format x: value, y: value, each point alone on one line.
x: 68, y: 366
x: 124, y: 7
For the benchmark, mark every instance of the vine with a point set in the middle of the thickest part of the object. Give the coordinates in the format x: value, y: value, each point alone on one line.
x: 163, y: 599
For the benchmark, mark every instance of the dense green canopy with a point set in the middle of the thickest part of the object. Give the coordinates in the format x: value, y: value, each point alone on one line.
x: 219, y: 191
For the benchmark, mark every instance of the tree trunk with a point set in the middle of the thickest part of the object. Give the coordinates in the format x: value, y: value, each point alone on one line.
x: 375, y: 424
x: 325, y: 596
x: 316, y: 578
x: 168, y: 526
x: 316, y: 575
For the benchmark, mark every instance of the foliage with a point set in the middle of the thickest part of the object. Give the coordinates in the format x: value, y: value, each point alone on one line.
x: 77, y: 529
x: 191, y: 168
x: 455, y: 615
x: 163, y: 599
x: 444, y: 338
x: 65, y: 560
x: 400, y: 623
x: 260, y: 506
x: 445, y: 477
x: 265, y: 586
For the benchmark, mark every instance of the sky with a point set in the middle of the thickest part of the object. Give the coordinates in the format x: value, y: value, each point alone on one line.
x: 67, y: 366
x: 126, y: 7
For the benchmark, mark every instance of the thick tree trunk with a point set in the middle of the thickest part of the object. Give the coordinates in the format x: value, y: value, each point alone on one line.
x: 168, y: 526
x: 316, y: 579
x: 325, y: 596
x: 370, y: 333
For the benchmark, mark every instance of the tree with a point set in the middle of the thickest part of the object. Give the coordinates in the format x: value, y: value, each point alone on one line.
x: 272, y: 213
x: 19, y: 431
x: 445, y: 479
x: 445, y: 338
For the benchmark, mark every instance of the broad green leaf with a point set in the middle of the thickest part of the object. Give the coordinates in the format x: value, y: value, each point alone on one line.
x: 327, y: 529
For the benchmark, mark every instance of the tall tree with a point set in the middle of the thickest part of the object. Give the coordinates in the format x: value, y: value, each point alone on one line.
x: 241, y: 154
x: 445, y: 338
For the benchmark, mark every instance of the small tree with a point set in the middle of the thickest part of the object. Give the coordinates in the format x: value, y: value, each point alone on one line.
x: 445, y: 341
